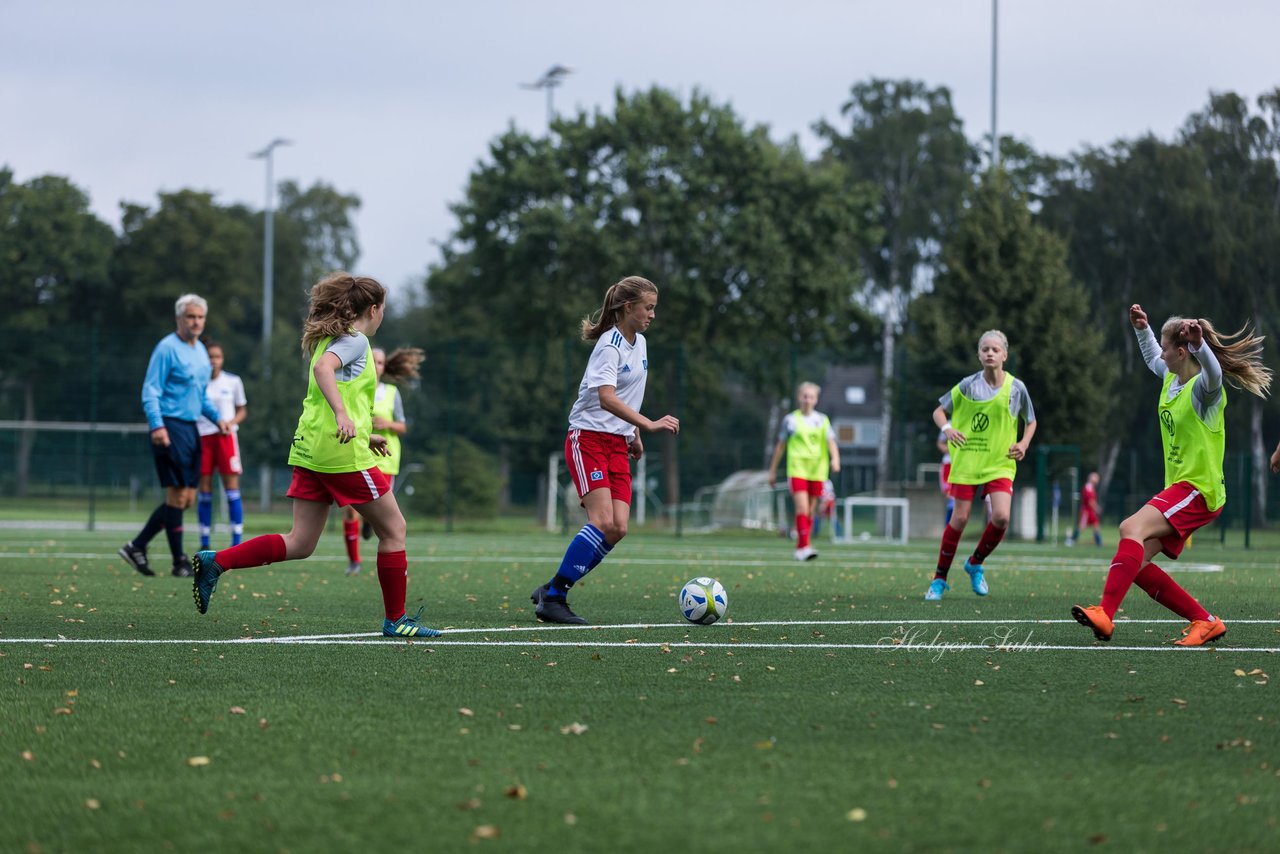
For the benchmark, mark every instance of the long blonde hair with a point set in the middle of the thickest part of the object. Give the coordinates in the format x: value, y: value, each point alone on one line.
x: 402, y: 363
x: 1240, y: 353
x: 616, y: 298
x: 337, y: 301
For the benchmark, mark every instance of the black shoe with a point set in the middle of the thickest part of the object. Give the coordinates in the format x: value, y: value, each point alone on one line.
x: 182, y: 567
x: 135, y: 557
x: 553, y: 609
x: 366, y: 531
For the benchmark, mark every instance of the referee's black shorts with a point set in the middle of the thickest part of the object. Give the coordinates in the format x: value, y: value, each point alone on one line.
x: 179, y: 464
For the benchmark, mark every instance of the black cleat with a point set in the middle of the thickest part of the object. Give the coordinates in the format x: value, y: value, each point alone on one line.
x: 182, y: 567
x: 135, y: 557
x: 553, y: 609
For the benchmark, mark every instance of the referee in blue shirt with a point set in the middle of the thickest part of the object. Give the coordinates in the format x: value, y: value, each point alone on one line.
x: 173, y: 397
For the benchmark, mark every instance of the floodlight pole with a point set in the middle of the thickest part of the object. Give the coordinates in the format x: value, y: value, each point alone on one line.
x: 268, y: 255
x: 268, y: 310
x: 553, y: 77
x: 995, y: 36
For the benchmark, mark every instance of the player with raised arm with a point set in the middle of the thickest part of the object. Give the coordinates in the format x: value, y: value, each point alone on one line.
x: 1192, y: 359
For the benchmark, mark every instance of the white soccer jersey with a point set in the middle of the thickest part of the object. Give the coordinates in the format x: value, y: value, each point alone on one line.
x: 227, y: 392
x: 619, y: 364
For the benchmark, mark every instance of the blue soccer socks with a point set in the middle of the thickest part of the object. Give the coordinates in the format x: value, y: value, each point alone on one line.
x: 204, y: 513
x: 235, y: 513
x: 584, y: 554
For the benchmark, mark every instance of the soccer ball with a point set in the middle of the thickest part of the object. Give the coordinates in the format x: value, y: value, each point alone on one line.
x: 703, y: 600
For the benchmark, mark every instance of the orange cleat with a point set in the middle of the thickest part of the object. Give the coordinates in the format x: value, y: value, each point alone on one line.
x: 1201, y: 632
x: 1096, y: 619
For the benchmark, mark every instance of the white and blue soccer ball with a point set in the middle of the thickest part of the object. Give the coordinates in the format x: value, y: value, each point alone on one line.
x: 703, y: 601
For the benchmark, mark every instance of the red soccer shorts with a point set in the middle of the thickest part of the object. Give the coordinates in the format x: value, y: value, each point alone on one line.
x: 968, y: 491
x: 1183, y: 506
x: 1087, y: 518
x: 221, y: 453
x: 348, y: 487
x: 599, y: 461
x: 812, y: 487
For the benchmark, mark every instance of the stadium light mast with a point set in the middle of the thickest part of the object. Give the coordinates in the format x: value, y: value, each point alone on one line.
x: 268, y: 253
x: 549, y: 81
x: 995, y: 37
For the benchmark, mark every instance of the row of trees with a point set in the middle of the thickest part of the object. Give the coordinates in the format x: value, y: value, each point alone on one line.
x: 897, y: 243
x: 85, y: 305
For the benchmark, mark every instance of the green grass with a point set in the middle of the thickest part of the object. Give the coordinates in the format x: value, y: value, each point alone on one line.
x: 338, y: 746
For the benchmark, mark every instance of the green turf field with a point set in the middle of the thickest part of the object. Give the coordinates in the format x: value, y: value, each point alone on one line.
x: 836, y: 712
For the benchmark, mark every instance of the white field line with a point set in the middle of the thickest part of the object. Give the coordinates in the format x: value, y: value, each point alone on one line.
x: 910, y: 643
x: 854, y: 560
x: 929, y: 647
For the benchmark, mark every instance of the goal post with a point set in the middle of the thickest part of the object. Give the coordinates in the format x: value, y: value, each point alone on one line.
x: 872, y: 518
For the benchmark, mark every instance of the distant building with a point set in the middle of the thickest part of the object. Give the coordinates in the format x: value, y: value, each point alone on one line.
x: 851, y: 398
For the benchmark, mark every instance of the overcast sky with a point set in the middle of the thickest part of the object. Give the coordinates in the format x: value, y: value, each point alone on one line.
x: 397, y: 101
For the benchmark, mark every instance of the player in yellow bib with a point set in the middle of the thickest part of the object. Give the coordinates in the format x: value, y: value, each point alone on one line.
x: 388, y: 421
x: 810, y: 445
x: 1192, y: 359
x: 979, y: 418
x: 333, y: 452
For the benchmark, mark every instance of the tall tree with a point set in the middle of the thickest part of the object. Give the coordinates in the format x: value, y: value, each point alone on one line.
x: 1003, y: 271
x: 54, y: 258
x: 1241, y: 150
x: 1134, y: 217
x: 746, y: 241
x: 906, y: 140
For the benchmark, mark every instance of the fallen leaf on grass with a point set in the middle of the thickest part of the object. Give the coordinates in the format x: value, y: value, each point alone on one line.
x: 485, y: 831
x: 574, y: 728
x: 856, y: 814
x: 570, y: 819
x: 473, y: 804
x: 28, y: 756
x: 516, y: 792
x: 197, y: 761
x: 466, y: 713
x: 62, y: 710
x: 979, y: 682
x: 1179, y: 702
x: 709, y: 720
x: 236, y: 710
x: 92, y: 803
x: 1238, y: 672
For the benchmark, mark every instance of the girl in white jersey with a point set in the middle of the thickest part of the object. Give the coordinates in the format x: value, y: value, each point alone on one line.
x: 604, y: 436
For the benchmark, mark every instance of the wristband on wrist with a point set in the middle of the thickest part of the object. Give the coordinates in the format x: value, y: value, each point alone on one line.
x: 945, y: 427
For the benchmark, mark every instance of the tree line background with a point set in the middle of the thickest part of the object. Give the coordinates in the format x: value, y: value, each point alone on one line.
x: 897, y: 244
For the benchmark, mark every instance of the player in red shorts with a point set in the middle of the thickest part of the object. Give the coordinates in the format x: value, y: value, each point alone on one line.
x: 220, y: 452
x: 334, y: 453
x: 604, y: 436
x: 1192, y: 359
x: 1089, y: 515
